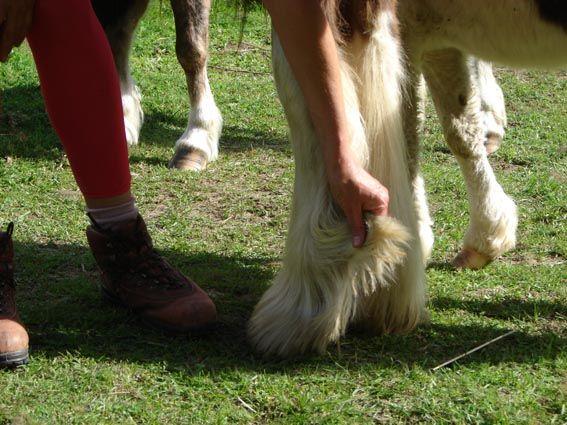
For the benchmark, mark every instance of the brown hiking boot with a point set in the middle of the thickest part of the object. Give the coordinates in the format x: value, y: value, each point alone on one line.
x: 135, y: 276
x: 13, y: 336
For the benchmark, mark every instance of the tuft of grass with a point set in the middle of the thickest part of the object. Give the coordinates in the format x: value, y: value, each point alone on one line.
x: 226, y: 228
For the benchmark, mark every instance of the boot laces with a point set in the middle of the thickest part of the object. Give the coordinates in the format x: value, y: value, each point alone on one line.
x: 137, y: 257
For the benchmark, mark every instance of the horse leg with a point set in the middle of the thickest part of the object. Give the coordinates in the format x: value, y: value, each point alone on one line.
x: 315, y: 294
x: 493, y: 108
x: 492, y: 230
x: 413, y: 120
x: 119, y: 20
x: 377, y: 62
x: 199, y: 143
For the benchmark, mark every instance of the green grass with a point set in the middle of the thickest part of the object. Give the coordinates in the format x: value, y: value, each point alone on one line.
x: 226, y: 228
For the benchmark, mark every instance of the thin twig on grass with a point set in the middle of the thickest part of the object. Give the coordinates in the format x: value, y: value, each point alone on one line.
x: 454, y: 359
x: 239, y: 71
x: 246, y: 405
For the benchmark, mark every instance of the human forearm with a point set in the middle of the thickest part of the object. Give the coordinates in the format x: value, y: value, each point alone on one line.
x: 308, y: 43
x: 307, y: 40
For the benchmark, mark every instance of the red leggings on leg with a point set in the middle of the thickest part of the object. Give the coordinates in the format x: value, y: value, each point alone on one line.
x: 82, y: 94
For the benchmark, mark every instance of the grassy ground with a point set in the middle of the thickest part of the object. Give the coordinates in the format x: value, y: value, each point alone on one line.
x: 226, y: 228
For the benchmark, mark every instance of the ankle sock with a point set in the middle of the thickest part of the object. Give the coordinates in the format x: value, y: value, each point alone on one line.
x: 109, y: 216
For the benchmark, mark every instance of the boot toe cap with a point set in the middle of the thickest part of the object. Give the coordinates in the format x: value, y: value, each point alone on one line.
x: 185, y: 315
x: 13, y: 337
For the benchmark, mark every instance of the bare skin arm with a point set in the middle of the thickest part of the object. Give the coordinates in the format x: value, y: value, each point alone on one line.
x: 310, y: 49
x: 15, y: 21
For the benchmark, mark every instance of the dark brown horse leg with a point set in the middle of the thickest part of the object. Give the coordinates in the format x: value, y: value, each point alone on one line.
x: 120, y: 19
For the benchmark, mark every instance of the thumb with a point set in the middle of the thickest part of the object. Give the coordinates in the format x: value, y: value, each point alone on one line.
x: 357, y: 228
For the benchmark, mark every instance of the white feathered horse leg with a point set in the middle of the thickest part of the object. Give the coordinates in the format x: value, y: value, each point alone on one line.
x: 324, y: 279
x: 492, y: 230
x: 377, y: 61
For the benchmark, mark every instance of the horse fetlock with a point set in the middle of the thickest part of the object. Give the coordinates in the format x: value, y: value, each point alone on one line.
x: 493, y: 230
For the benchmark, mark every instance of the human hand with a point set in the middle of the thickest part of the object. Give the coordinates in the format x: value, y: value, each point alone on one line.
x: 15, y: 20
x: 357, y: 192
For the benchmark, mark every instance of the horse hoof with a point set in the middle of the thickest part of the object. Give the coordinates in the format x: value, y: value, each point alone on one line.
x: 470, y: 259
x: 188, y: 158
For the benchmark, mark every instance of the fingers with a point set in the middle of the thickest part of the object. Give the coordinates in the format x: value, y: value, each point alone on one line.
x: 357, y: 227
x: 381, y: 211
x: 379, y: 203
x: 357, y: 192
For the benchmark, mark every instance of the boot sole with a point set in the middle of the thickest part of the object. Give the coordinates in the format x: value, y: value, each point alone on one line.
x: 168, y: 329
x: 14, y: 359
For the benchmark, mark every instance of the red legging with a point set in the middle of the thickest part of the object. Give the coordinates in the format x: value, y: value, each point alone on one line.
x: 82, y: 94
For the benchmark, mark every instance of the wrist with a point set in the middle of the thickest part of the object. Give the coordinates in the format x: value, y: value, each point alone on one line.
x: 340, y: 163
x: 337, y: 154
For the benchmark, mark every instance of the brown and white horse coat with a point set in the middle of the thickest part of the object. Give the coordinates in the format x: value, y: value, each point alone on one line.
x: 437, y: 37
x: 317, y: 294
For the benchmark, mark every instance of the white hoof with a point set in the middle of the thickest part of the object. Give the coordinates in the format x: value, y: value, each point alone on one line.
x: 189, y: 159
x: 470, y: 259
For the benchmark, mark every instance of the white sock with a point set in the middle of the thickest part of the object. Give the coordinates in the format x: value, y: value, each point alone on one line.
x: 109, y: 216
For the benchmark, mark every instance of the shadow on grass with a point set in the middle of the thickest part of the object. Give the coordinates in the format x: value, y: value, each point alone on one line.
x: 441, y: 266
x: 163, y: 130
x: 503, y: 308
x: 60, y: 303
x: 25, y: 131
